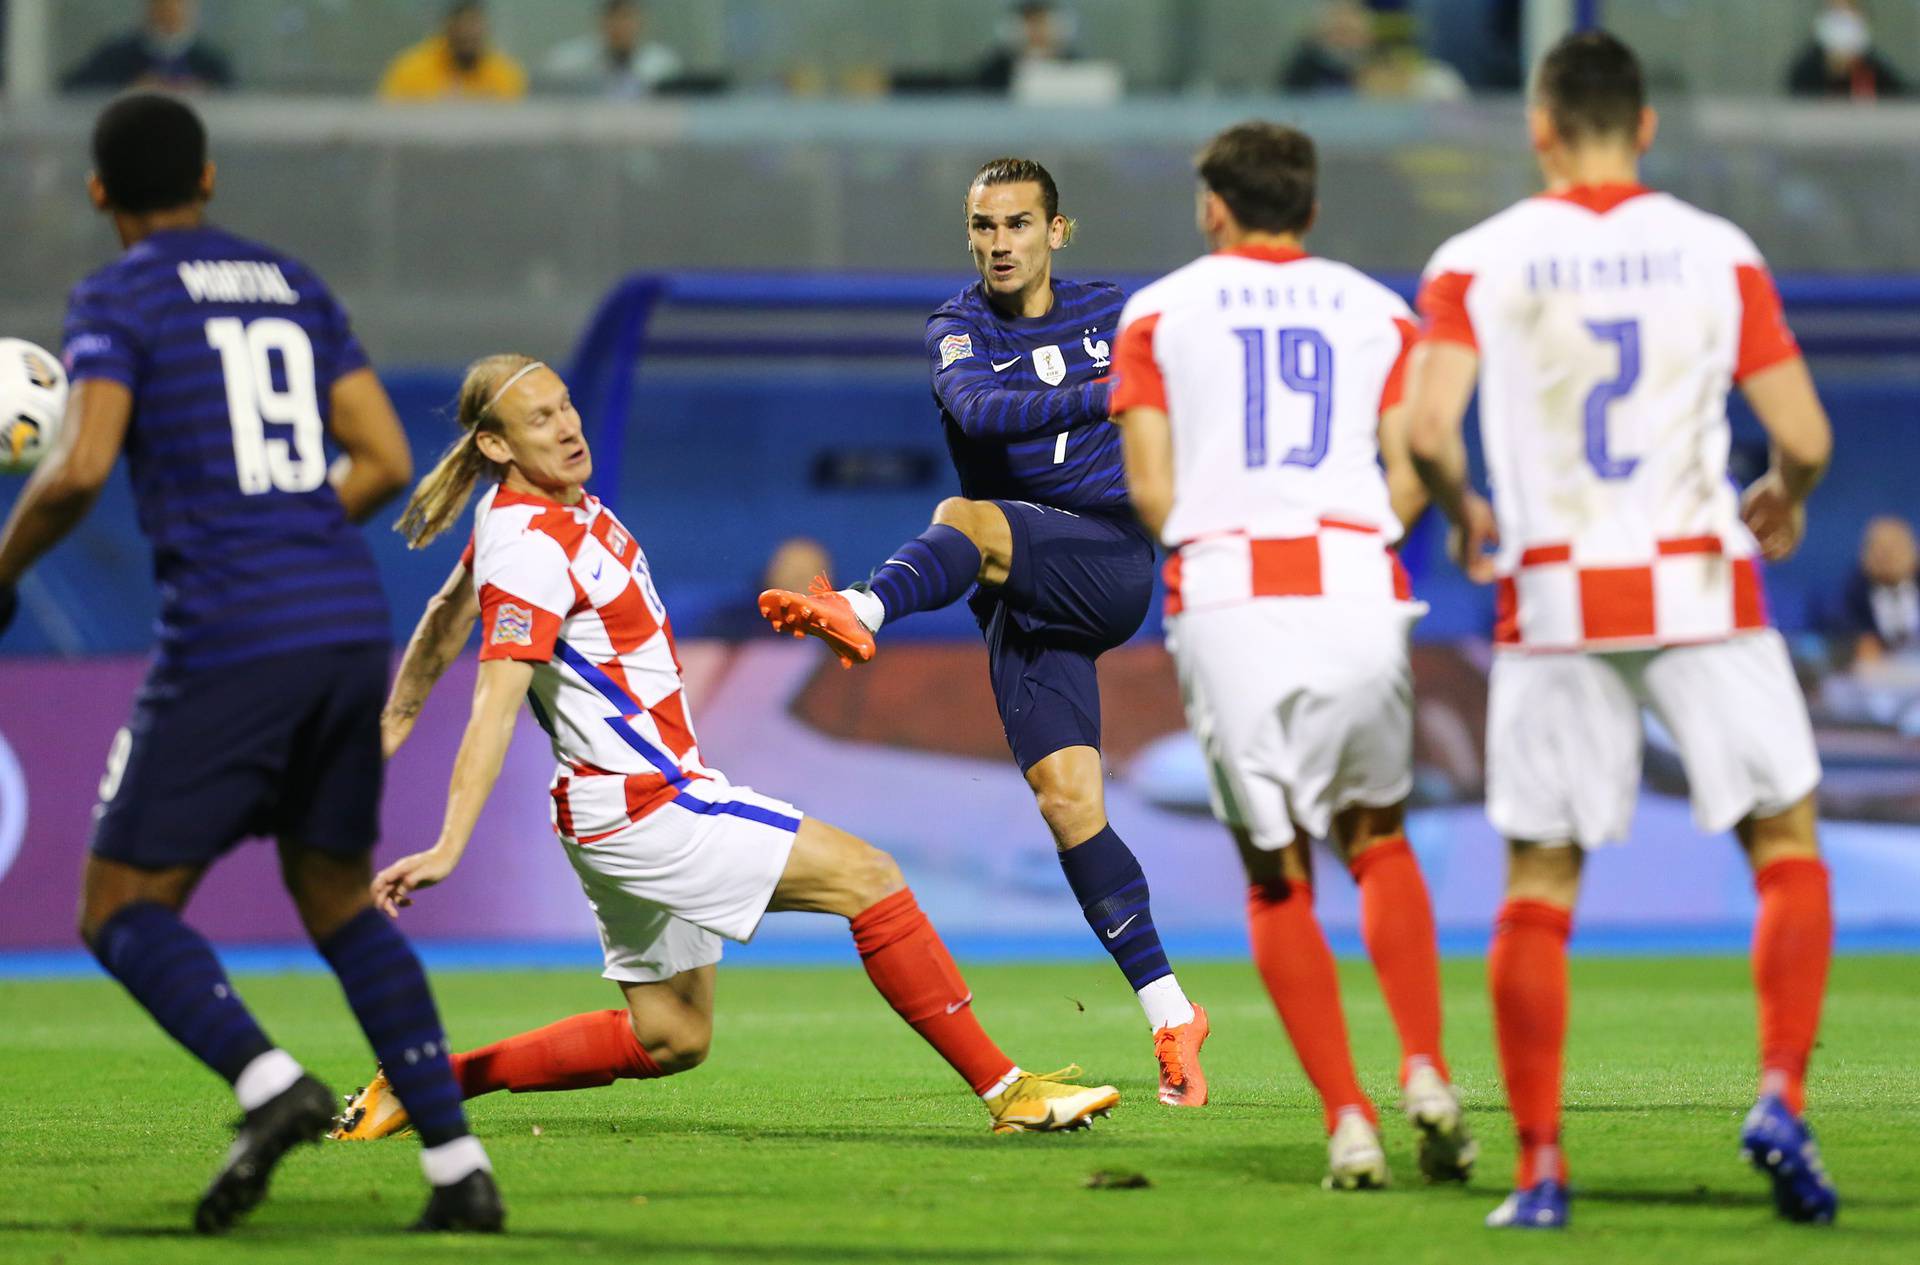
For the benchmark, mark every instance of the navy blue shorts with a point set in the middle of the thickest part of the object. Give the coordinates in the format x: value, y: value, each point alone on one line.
x: 1080, y: 584
x: 287, y: 747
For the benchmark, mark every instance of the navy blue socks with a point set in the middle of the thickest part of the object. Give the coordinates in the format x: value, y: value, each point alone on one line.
x: 388, y: 993
x: 171, y: 971
x: 934, y: 569
x: 1112, y: 891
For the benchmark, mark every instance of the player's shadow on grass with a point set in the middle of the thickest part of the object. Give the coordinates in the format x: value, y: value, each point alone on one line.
x: 752, y: 1131
x: 1703, y: 1197
x: 1281, y: 1163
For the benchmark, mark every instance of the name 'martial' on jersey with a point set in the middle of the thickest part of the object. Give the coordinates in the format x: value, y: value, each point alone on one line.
x: 230, y: 351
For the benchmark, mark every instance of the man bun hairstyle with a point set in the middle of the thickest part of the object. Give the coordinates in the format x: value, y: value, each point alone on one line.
x: 1591, y: 86
x: 1267, y: 173
x: 1023, y: 171
x: 149, y: 150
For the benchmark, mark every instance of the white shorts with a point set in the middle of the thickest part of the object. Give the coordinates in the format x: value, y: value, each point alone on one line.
x: 1564, y: 736
x: 1303, y: 706
x: 667, y: 888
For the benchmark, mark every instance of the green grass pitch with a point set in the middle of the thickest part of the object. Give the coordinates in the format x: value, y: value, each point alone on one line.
x: 821, y: 1130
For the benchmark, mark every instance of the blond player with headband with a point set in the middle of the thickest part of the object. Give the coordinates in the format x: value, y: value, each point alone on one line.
x: 672, y: 856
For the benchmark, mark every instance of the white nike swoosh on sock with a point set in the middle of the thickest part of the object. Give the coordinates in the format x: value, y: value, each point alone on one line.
x: 1122, y: 927
x: 896, y: 562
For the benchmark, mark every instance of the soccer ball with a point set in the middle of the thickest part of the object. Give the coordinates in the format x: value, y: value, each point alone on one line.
x: 33, y: 399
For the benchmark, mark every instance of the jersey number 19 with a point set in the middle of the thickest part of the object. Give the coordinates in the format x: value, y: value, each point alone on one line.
x: 1305, y: 367
x: 291, y: 463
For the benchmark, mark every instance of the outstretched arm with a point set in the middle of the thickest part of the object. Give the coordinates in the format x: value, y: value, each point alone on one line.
x: 378, y: 462
x: 970, y: 391
x: 67, y: 482
x: 1146, y: 441
x: 436, y: 642
x: 1774, y: 505
x: 496, y: 704
x: 1440, y: 381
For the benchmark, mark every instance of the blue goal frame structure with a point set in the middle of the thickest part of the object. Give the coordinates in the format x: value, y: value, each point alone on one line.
x: 1847, y: 319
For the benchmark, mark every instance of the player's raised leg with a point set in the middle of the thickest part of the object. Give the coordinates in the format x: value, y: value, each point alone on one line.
x: 1396, y: 922
x: 1792, y: 947
x: 1107, y: 880
x: 968, y: 542
x: 130, y: 919
x: 387, y: 990
x: 666, y: 1028
x: 831, y: 871
x: 1290, y: 951
x: 1527, y: 973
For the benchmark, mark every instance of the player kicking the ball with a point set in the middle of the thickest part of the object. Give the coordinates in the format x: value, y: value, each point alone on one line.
x: 1060, y: 570
x: 1250, y: 386
x: 672, y: 857
x: 1604, y: 323
x: 261, y: 714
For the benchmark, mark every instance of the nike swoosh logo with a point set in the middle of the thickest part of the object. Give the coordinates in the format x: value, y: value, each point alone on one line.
x: 897, y: 562
x: 998, y: 367
x: 953, y: 1008
x: 1122, y: 927
x: 596, y: 569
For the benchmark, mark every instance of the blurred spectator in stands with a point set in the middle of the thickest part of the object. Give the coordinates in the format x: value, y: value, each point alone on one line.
x: 1880, y: 608
x: 1400, y: 69
x: 1840, y: 61
x: 166, y: 52
x: 618, y: 60
x: 1037, y: 32
x: 792, y: 565
x: 1331, y: 59
x: 459, y: 62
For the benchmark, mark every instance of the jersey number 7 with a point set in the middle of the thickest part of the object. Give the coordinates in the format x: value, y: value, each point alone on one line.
x: 1305, y: 367
x: 297, y: 463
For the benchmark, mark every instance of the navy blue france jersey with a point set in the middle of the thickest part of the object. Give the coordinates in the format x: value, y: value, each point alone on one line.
x: 1025, y: 418
x: 231, y: 351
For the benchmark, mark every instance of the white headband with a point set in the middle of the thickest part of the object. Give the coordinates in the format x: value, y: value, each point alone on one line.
x: 508, y: 384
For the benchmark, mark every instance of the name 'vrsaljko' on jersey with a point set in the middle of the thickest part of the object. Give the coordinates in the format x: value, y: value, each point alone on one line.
x: 230, y: 350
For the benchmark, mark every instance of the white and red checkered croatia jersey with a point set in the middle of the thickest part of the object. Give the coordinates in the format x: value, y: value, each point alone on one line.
x: 1273, y: 368
x: 566, y: 588
x: 1611, y: 322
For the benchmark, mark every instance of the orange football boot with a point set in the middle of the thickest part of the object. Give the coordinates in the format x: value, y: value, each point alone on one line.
x: 1182, y: 1083
x: 823, y: 613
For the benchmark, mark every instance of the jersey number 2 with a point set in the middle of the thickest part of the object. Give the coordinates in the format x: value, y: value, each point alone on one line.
x: 1624, y: 335
x: 294, y: 463
x: 1305, y: 368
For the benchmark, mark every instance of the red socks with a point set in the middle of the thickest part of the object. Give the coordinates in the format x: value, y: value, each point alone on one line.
x: 914, y: 972
x: 1396, y: 921
x: 597, y: 1048
x: 1792, y: 945
x: 1527, y: 971
x: 1297, y: 967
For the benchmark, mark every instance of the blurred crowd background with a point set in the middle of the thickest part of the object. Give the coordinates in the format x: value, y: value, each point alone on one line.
x: 1434, y: 50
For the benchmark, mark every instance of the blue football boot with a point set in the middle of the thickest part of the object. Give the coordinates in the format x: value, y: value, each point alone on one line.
x: 1541, y: 1206
x: 1780, y: 1144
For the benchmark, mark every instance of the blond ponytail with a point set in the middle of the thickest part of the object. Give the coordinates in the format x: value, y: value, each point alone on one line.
x: 441, y: 496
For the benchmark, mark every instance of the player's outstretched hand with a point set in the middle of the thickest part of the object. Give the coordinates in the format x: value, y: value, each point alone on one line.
x: 1776, y: 520
x: 1473, y: 537
x: 393, y: 886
